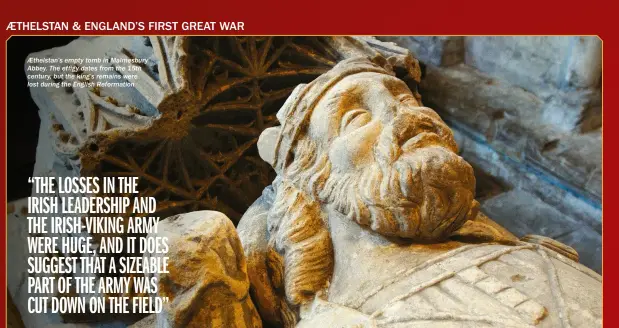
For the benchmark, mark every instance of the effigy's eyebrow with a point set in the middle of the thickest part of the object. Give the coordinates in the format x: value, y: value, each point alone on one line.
x: 336, y: 99
x: 333, y: 101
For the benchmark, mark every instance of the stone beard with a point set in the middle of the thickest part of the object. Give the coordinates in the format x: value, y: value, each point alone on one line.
x: 356, y: 141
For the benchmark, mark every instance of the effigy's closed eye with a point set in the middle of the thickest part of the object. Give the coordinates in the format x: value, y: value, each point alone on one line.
x: 408, y: 99
x: 355, y: 118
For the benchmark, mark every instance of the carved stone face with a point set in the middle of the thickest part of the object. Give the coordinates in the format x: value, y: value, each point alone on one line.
x: 370, y: 152
x: 372, y: 117
x: 393, y: 164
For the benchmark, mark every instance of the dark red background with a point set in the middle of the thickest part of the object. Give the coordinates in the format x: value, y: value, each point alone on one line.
x: 387, y: 17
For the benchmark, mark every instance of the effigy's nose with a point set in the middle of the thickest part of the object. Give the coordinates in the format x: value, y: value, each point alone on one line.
x: 410, y: 122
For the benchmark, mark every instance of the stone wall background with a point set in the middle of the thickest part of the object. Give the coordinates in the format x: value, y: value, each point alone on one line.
x: 527, y: 113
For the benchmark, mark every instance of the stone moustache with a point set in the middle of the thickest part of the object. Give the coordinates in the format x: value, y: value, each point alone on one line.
x: 372, y: 222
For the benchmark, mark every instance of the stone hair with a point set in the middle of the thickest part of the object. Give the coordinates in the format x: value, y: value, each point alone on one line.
x: 300, y: 253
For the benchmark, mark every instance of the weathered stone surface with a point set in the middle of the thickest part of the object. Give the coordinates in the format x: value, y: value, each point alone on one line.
x: 518, y: 175
x: 512, y: 120
x: 534, y: 61
x: 207, y: 280
x: 372, y: 222
x: 563, y: 72
x: 588, y: 243
x: 435, y: 50
x: 572, y: 110
x: 550, y: 110
x: 523, y: 213
x: 585, y: 62
x: 533, y: 215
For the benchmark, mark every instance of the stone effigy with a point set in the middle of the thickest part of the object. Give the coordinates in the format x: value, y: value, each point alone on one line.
x: 207, y: 275
x: 372, y: 222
